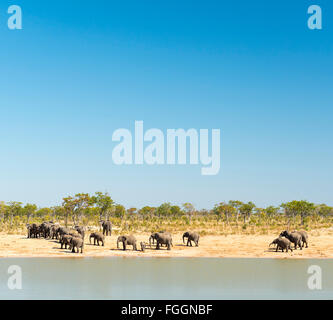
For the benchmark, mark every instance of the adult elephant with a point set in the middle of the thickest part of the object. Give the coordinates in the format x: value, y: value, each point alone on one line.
x: 191, y: 236
x: 80, y: 230
x: 78, y: 243
x: 127, y: 240
x: 98, y: 237
x: 163, y: 238
x: 305, y: 238
x: 294, y: 237
x: 46, y: 229
x: 153, y: 236
x: 62, y: 231
x: 107, y: 227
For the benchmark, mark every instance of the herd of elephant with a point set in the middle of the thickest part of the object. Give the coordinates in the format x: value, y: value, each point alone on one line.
x: 286, y: 239
x: 74, y: 238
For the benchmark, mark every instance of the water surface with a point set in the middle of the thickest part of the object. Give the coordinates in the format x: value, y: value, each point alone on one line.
x: 165, y: 278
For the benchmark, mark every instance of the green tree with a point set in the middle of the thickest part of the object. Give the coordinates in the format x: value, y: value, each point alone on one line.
x: 224, y: 210
x: 324, y: 211
x: 236, y: 204
x: 3, y: 209
x: 298, y: 208
x: 120, y: 211
x: 75, y: 206
x: 29, y: 210
x: 105, y: 204
x: 164, y: 210
x: 246, y: 210
x: 14, y: 209
x: 147, y: 212
x: 189, y: 210
x: 176, y: 211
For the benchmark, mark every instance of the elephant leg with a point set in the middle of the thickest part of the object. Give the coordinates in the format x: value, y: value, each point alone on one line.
x: 158, y: 246
x: 169, y: 247
x: 124, y: 244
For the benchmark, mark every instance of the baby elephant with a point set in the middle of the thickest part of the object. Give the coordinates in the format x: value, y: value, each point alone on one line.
x: 191, y: 236
x: 282, y: 243
x: 78, y: 243
x: 143, y: 246
x: 127, y: 240
x: 98, y: 237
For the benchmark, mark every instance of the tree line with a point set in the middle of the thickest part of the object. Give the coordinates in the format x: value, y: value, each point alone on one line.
x: 100, y: 206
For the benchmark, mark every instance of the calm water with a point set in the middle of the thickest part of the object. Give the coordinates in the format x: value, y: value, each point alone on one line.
x: 169, y: 278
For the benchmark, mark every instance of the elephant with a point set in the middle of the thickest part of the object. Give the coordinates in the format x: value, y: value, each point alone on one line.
x: 53, y: 231
x: 45, y: 229
x: 62, y: 231
x: 97, y: 238
x: 143, y: 246
x: 65, y: 240
x: 107, y: 227
x: 80, y: 230
x: 163, y: 238
x: 305, y: 238
x: 191, y: 236
x: 294, y: 237
x: 153, y: 236
x: 78, y: 243
x: 282, y: 243
x: 32, y: 230
x: 127, y: 240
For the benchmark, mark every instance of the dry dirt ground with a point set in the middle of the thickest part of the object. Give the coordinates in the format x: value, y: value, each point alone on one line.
x: 232, y: 246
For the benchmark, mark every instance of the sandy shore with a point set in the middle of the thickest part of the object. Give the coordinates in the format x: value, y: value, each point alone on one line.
x: 232, y: 246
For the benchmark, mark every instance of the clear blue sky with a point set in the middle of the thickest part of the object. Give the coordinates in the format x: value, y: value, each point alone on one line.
x: 81, y: 69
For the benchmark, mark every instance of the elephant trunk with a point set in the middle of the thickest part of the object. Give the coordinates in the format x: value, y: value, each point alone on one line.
x: 118, y: 243
x: 184, y: 238
x: 150, y: 238
x: 271, y: 243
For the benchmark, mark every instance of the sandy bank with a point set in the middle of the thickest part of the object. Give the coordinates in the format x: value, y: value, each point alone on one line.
x: 232, y: 246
